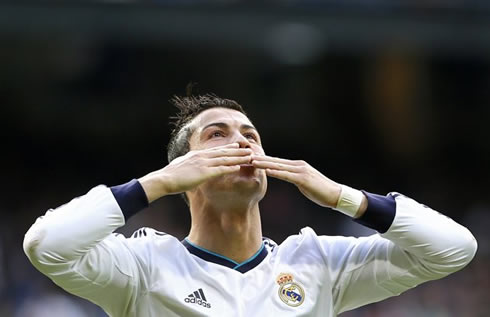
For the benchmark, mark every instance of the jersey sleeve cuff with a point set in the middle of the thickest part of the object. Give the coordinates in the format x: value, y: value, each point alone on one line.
x: 380, y: 212
x: 131, y: 197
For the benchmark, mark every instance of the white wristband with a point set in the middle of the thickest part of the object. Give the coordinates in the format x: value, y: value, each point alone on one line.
x: 349, y: 201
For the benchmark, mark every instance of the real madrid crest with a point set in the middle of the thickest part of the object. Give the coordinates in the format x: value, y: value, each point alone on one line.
x: 290, y: 292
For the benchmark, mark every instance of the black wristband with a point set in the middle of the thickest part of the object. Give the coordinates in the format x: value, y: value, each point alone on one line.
x: 380, y: 212
x: 131, y: 197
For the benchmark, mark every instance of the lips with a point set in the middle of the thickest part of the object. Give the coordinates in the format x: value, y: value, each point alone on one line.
x: 247, y: 170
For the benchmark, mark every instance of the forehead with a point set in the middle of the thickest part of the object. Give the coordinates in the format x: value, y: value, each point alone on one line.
x: 224, y: 115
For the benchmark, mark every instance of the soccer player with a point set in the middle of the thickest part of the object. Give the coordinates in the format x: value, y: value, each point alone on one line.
x: 225, y: 267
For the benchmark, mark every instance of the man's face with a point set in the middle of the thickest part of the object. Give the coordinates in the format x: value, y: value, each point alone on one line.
x: 221, y: 126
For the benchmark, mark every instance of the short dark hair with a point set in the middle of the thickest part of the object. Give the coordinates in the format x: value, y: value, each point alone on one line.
x: 190, y: 107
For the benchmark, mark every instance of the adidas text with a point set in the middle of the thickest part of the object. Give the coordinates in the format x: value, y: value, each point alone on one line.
x: 197, y: 301
x: 197, y: 297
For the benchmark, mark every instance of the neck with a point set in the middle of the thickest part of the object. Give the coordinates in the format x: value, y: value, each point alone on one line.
x: 232, y: 231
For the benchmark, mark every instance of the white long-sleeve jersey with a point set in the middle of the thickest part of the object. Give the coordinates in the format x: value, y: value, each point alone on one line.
x: 154, y: 274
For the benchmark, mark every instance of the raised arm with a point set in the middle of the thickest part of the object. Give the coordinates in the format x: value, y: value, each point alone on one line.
x: 74, y: 244
x: 416, y: 244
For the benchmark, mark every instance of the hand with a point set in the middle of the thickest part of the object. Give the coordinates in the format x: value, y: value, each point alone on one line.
x: 309, y: 181
x: 188, y: 171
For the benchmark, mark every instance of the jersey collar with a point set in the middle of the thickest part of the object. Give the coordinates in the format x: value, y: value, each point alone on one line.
x: 210, y: 256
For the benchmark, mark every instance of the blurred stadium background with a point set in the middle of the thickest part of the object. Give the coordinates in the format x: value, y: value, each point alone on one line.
x: 380, y: 95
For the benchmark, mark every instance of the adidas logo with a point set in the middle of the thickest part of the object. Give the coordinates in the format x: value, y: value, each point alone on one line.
x: 198, y: 298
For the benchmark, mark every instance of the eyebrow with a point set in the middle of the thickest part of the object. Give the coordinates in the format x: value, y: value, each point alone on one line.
x: 225, y: 126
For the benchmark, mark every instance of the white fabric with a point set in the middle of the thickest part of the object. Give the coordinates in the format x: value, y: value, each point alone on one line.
x: 152, y: 275
x: 350, y: 200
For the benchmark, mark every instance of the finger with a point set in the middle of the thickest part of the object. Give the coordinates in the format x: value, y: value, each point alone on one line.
x: 229, y: 152
x: 277, y: 166
x: 223, y: 169
x: 229, y: 145
x: 275, y: 159
x: 229, y: 160
x: 283, y: 175
x: 234, y: 145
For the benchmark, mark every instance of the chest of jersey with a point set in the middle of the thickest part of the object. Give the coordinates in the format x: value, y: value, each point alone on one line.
x: 189, y: 286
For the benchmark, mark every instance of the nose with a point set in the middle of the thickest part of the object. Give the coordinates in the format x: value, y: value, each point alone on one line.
x: 242, y: 141
x: 244, y: 145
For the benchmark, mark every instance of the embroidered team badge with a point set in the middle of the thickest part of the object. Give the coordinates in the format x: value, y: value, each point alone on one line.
x: 290, y: 292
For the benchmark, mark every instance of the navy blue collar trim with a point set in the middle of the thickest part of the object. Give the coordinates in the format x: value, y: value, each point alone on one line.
x: 210, y: 256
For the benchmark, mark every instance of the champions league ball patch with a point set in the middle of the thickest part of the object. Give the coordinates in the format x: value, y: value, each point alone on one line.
x: 290, y: 292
